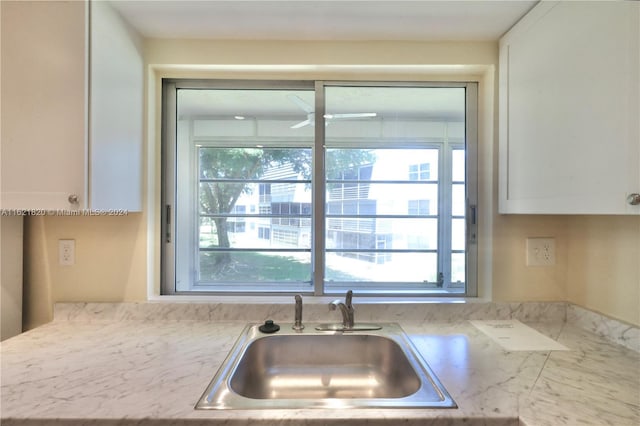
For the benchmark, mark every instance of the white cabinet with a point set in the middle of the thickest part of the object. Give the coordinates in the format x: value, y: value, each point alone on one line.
x: 43, y: 139
x: 570, y: 110
x: 69, y: 132
x: 116, y: 111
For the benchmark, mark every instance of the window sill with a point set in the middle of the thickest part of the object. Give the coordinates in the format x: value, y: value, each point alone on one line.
x: 312, y: 300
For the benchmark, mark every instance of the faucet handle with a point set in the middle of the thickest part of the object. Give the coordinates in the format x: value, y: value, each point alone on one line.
x: 297, y: 324
x: 348, y: 298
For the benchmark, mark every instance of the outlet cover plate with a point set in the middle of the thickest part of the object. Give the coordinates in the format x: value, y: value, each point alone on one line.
x: 541, y: 251
x: 66, y: 252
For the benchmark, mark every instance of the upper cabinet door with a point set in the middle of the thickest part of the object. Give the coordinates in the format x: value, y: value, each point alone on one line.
x: 44, y: 139
x: 570, y: 110
x: 72, y: 114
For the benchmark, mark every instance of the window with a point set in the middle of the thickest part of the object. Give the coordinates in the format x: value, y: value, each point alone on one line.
x: 419, y: 207
x: 312, y: 187
x: 419, y: 171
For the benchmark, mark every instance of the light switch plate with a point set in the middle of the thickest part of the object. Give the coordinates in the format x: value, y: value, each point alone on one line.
x: 541, y: 251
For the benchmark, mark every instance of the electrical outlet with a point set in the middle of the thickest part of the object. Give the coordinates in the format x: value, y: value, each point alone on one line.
x: 541, y: 251
x: 66, y: 252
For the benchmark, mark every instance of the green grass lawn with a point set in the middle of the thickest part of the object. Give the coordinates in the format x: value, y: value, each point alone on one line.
x: 256, y: 267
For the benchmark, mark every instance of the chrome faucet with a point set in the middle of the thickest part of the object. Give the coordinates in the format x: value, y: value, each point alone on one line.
x: 346, y: 309
x: 297, y: 324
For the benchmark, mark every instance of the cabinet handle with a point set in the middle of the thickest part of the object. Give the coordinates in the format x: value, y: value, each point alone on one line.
x: 73, y: 199
x: 633, y: 199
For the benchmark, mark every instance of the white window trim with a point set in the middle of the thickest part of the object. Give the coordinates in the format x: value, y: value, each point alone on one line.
x: 483, y: 75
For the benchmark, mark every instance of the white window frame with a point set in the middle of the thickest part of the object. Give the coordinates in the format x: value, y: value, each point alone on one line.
x: 470, y: 145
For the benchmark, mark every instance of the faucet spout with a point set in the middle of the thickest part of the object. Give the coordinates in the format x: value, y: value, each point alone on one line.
x: 348, y: 313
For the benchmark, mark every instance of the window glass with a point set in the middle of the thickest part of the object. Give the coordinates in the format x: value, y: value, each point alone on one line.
x: 389, y: 146
x: 246, y: 167
x: 239, y: 157
x: 458, y: 165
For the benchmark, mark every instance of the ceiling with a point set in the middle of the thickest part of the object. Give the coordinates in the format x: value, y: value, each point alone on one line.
x: 419, y: 20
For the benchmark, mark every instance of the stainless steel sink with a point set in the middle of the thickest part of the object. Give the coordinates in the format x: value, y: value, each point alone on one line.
x: 310, y: 368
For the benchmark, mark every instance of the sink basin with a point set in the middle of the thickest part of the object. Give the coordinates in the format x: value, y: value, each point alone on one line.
x: 315, y: 369
x: 299, y: 367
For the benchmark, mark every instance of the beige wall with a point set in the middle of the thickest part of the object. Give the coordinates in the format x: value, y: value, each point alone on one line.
x: 604, y: 265
x: 110, y: 262
x: 111, y: 251
x: 379, y: 53
x: 598, y: 262
x: 513, y: 280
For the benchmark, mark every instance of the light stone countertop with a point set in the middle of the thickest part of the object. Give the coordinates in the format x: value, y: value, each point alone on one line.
x: 138, y: 365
